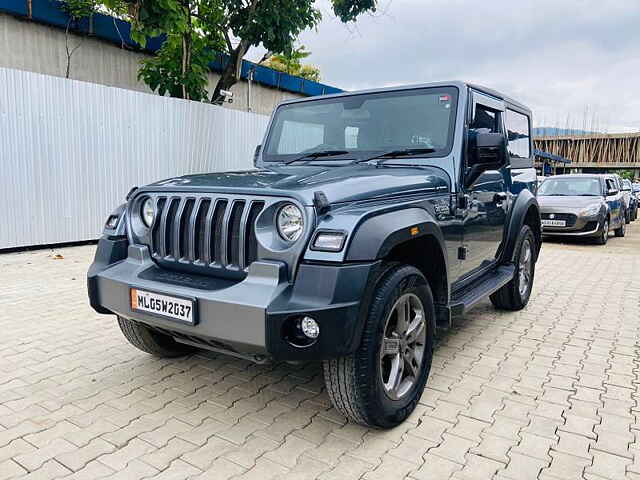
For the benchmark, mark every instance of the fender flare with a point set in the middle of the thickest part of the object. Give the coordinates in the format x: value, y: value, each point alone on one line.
x: 377, y: 235
x: 524, y: 201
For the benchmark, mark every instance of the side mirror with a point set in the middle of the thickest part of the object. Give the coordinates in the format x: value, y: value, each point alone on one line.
x: 486, y: 152
x: 612, y: 191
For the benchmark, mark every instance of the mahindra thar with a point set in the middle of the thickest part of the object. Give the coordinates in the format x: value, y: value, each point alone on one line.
x: 371, y: 219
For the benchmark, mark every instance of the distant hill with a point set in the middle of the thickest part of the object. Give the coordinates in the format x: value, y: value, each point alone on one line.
x: 558, y: 132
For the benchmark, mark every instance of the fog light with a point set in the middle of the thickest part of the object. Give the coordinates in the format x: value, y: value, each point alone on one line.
x: 309, y: 327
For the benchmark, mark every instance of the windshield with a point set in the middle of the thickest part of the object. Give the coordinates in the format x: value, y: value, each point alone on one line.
x: 570, y: 187
x: 360, y: 125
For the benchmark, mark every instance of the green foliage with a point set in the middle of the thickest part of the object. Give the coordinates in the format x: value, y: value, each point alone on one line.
x: 196, y: 28
x: 291, y: 63
x: 164, y: 73
x: 78, y: 9
x: 627, y: 174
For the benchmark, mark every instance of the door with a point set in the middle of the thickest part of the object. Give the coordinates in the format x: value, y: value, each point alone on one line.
x: 615, y: 203
x: 487, y: 198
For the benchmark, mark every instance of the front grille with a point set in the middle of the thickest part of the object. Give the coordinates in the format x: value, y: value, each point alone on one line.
x: 205, y: 231
x: 570, y: 218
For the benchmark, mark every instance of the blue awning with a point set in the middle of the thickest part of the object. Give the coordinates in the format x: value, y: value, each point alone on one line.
x: 550, y: 156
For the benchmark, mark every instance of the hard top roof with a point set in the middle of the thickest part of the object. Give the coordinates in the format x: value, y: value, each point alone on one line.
x: 454, y: 83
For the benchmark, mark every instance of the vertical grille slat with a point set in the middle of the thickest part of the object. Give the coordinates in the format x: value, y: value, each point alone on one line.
x: 156, y: 231
x: 249, y: 242
x: 186, y: 229
x: 175, y: 230
x: 206, y: 231
x: 224, y: 236
x: 200, y: 229
x: 218, y: 220
x: 234, y: 234
x: 167, y: 226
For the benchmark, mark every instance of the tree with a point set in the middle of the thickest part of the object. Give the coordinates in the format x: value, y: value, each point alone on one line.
x: 197, y: 28
x: 77, y: 10
x: 291, y: 63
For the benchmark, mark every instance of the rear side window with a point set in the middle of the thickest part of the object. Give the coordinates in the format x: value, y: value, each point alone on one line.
x: 519, y: 136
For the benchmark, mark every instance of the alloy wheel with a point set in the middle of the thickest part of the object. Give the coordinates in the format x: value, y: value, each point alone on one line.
x: 524, y: 267
x: 403, y: 345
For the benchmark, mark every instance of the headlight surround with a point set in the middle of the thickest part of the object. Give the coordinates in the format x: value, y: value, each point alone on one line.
x: 290, y: 222
x: 147, y: 212
x: 591, y: 210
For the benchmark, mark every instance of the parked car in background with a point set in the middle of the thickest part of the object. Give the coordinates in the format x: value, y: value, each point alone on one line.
x: 627, y: 189
x: 372, y: 217
x: 581, y: 205
x: 636, y: 190
x: 626, y: 196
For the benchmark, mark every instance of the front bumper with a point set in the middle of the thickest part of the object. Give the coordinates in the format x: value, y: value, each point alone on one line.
x: 245, y: 317
x: 589, y: 229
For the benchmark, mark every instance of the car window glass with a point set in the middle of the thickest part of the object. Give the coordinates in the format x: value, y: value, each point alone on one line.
x: 570, y: 187
x: 518, y: 134
x: 485, y: 120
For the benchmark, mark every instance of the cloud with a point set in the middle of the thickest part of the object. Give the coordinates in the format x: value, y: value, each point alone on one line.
x: 574, y: 63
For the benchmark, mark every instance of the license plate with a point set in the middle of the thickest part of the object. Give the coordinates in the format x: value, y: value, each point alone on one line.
x: 554, y: 223
x: 180, y: 309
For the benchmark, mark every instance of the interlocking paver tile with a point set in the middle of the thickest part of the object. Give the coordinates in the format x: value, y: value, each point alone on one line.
x: 552, y: 391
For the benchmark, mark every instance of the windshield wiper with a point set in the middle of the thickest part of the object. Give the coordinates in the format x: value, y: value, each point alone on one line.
x: 391, y: 154
x: 312, y: 155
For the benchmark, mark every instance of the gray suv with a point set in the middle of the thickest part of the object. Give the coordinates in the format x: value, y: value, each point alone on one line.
x: 372, y: 219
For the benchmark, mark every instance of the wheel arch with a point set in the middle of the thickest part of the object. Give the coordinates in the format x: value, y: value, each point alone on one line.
x: 525, y: 210
x: 410, y: 236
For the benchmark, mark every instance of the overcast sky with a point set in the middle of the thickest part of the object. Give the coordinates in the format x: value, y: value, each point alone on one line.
x: 566, y: 59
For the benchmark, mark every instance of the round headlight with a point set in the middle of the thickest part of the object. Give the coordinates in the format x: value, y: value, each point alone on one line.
x: 290, y: 222
x: 147, y: 212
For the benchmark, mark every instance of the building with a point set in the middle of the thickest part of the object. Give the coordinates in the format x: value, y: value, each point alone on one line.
x: 33, y: 38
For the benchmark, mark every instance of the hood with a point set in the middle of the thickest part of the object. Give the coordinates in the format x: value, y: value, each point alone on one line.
x: 567, y: 201
x: 339, y: 183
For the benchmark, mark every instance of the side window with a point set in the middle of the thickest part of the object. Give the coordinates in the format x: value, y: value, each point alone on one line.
x: 611, y: 184
x: 485, y: 120
x: 518, y: 131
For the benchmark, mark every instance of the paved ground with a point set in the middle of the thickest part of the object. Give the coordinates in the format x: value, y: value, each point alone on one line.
x: 550, y: 392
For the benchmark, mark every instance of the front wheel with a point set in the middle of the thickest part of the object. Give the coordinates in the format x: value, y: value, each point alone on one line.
x: 515, y: 294
x: 603, y: 236
x: 380, y: 384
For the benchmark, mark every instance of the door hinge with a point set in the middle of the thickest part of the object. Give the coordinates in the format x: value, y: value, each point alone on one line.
x: 462, y: 253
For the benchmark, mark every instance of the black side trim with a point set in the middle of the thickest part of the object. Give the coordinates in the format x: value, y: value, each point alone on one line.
x: 335, y: 297
x: 110, y: 250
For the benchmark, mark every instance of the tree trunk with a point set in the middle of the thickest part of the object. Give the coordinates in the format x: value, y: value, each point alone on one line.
x: 231, y: 72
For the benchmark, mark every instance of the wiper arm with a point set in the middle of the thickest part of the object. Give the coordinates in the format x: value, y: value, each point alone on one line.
x: 312, y: 155
x: 391, y: 154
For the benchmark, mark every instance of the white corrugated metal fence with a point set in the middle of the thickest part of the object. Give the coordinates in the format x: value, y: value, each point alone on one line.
x: 70, y: 151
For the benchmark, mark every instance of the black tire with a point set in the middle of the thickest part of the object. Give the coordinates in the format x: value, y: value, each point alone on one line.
x: 510, y: 297
x: 355, y: 383
x: 627, y: 217
x: 150, y: 341
x: 603, y: 236
x: 621, y: 230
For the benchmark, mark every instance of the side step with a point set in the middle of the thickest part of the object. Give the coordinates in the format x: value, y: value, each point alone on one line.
x: 465, y: 298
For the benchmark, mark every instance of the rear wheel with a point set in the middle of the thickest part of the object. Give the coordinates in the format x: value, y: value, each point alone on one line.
x: 603, y: 236
x: 150, y: 341
x: 515, y: 294
x: 621, y: 230
x: 380, y: 384
x: 627, y: 216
